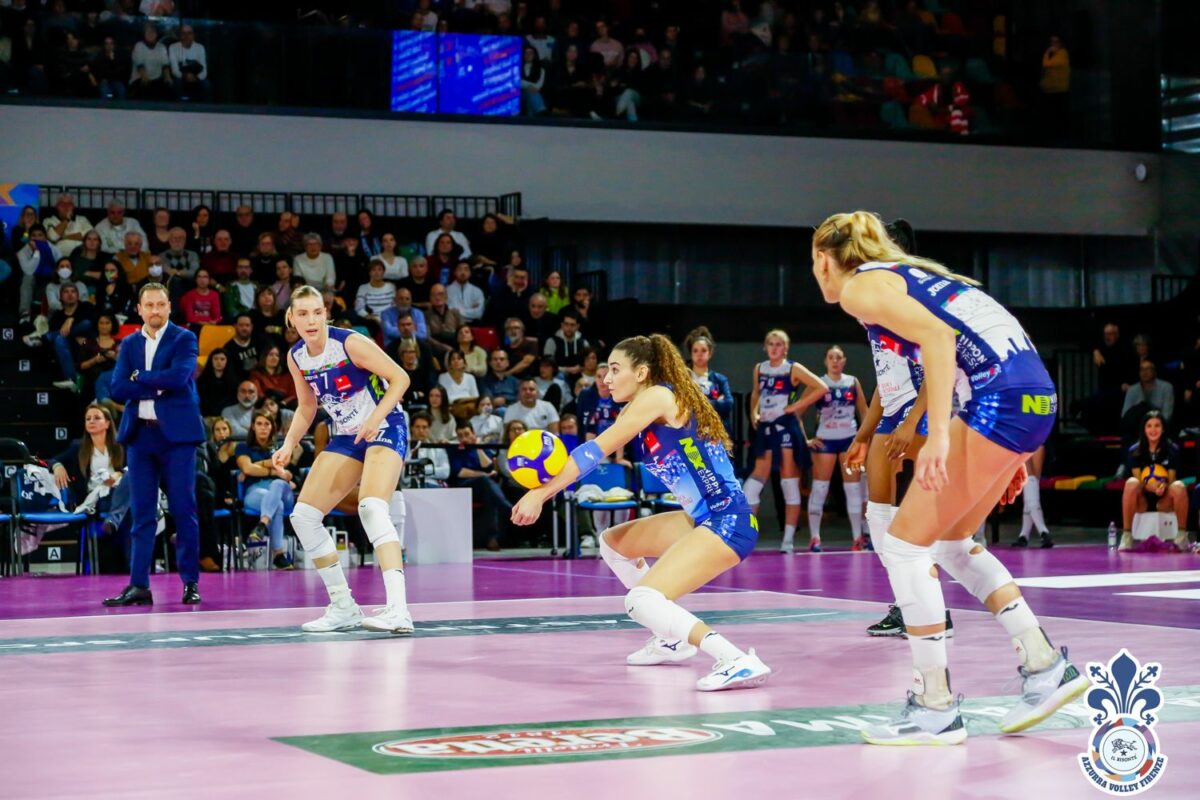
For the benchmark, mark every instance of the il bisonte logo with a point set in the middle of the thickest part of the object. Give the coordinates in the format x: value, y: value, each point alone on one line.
x: 547, y: 742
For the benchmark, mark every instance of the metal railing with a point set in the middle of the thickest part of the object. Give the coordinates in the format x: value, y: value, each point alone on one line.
x: 401, y: 206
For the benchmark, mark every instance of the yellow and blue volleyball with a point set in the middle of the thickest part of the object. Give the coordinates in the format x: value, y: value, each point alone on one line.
x: 1154, y: 476
x: 535, y: 457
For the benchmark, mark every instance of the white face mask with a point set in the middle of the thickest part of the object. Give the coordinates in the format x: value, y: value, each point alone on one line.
x: 64, y: 274
x: 485, y: 409
x: 155, y: 270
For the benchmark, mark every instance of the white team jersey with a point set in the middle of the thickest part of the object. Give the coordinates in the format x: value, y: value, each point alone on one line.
x: 837, y: 409
x: 347, y: 392
x: 774, y: 388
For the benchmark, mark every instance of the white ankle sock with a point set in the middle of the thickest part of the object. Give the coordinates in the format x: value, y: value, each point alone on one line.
x: 393, y: 584
x: 719, y: 647
x: 335, y: 584
x: 1030, y: 641
x: 789, y: 534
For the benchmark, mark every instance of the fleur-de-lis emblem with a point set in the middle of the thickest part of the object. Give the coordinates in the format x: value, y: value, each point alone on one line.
x: 1125, y: 687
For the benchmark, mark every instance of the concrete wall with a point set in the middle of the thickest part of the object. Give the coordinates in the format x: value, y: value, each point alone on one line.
x: 591, y: 174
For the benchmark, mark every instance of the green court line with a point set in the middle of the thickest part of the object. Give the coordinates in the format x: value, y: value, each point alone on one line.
x: 226, y: 637
x: 442, y: 749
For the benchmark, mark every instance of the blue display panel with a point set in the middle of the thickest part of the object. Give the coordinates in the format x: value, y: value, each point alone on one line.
x: 414, y: 72
x: 479, y: 75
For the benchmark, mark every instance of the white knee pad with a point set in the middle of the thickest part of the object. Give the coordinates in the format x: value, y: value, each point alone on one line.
x: 376, y: 521
x: 752, y: 488
x: 980, y: 573
x: 791, y: 490
x: 307, y: 522
x: 397, y: 511
x: 879, y: 519
x: 816, y: 495
x: 651, y: 609
x: 1033, y: 494
x: 914, y: 582
x: 626, y: 569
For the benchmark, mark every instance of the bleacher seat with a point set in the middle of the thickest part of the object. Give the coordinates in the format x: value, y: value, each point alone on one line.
x: 487, y: 338
x: 923, y: 67
x: 212, y: 337
x: 893, y: 116
x: 897, y: 66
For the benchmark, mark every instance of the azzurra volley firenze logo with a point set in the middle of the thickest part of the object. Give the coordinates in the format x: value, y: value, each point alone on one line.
x: 1123, y: 755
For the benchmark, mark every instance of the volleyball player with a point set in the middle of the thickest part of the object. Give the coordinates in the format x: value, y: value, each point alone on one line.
x: 687, y: 448
x: 360, y: 388
x: 836, y: 411
x: 966, y: 466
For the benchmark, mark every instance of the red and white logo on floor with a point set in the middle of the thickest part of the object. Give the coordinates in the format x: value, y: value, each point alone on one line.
x: 1123, y: 755
x: 545, y: 742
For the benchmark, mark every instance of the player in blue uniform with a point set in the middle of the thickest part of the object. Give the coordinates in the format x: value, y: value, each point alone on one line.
x: 360, y: 387
x: 687, y: 448
x: 966, y: 466
x: 837, y: 425
x: 700, y: 345
x: 778, y: 438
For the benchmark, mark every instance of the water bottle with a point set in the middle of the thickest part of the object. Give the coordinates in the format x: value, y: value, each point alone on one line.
x: 1112, y: 536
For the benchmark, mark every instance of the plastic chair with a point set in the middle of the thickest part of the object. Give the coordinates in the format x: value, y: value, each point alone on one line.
x: 842, y: 63
x: 952, y: 25
x: 920, y: 118
x: 652, y: 489
x: 923, y: 67
x: 487, y: 338
x: 976, y: 71
x: 892, y: 115
x: 897, y: 66
x: 212, y: 337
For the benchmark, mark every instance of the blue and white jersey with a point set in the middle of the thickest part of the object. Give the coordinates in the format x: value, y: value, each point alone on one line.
x: 698, y: 472
x: 991, y: 347
x: 346, y: 391
x: 774, y: 389
x: 898, y: 370
x: 837, y: 409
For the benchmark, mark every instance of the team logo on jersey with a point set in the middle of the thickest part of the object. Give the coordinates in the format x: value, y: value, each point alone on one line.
x: 1123, y: 755
x: 779, y: 384
x: 652, y: 443
x: 545, y: 742
x: 984, y: 377
x: 1043, y: 405
x: 342, y: 383
x: 937, y: 287
x: 888, y: 343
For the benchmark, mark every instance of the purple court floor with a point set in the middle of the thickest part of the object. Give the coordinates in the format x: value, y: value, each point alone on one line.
x: 515, y: 686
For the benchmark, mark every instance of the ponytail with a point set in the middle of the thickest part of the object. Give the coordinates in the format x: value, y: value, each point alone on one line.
x: 860, y: 237
x: 659, y: 355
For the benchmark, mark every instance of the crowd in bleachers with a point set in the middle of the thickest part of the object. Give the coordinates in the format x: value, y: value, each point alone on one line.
x: 935, y: 65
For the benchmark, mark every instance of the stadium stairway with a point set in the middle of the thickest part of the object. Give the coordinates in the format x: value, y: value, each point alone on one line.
x: 31, y: 409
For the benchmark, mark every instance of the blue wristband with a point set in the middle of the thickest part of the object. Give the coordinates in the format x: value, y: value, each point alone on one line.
x: 586, y: 456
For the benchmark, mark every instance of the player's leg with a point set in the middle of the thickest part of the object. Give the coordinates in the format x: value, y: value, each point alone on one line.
x: 382, y: 467
x: 698, y: 557
x: 931, y: 715
x: 332, y: 476
x: 1133, y: 501
x: 1032, y: 517
x: 1176, y: 500
x: 789, y: 484
x: 853, y: 488
x: 625, y: 548
x: 822, y: 472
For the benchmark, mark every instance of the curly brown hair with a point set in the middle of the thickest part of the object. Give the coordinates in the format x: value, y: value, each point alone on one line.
x: 659, y: 354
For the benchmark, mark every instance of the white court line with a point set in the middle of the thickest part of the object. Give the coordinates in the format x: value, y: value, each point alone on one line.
x: 310, y: 608
x: 1106, y: 579
x: 988, y: 613
x: 1167, y: 594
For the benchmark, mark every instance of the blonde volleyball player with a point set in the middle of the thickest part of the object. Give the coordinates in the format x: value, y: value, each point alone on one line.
x: 687, y: 448
x: 967, y: 465
x: 777, y: 433
x: 360, y: 387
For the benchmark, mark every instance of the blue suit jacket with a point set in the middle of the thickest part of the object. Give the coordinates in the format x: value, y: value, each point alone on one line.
x: 170, y: 383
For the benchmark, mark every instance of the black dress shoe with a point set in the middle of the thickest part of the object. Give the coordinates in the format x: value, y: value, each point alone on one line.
x: 131, y: 596
x: 191, y: 594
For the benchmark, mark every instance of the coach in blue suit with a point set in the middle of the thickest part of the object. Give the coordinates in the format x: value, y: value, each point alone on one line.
x: 161, y: 426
